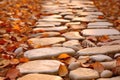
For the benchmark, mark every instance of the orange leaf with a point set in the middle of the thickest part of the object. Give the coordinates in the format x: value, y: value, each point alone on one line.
x: 63, y: 56
x: 101, y: 17
x: 12, y: 74
x: 63, y: 71
x: 14, y: 61
x: 98, y: 66
x: 118, y: 61
x: 104, y: 38
x: 23, y: 60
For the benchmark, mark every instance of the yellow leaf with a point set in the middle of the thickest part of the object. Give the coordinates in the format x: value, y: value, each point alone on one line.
x: 63, y: 71
x: 63, y: 56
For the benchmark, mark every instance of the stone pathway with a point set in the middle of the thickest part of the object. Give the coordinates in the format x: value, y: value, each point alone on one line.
x: 74, y: 29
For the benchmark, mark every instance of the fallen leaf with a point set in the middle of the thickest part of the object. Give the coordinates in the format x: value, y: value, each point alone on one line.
x: 4, y: 63
x: 68, y: 61
x: 12, y: 74
x: 23, y: 59
x: 118, y: 61
x: 14, y: 61
x: 98, y: 67
x: 101, y: 17
x: 63, y: 71
x: 83, y: 60
x: 63, y: 56
x: 104, y: 38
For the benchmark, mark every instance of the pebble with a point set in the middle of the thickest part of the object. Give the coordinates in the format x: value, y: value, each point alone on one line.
x: 100, y: 58
x: 76, y: 27
x: 91, y: 13
x: 106, y: 74
x: 49, y: 52
x: 100, y: 24
x: 113, y: 78
x: 100, y: 50
x: 109, y: 65
x: 73, y: 35
x: 50, y: 29
x: 99, y: 32
x: 117, y: 55
x: 83, y: 74
x: 39, y: 42
x: 74, y: 44
x: 88, y: 43
x: 74, y: 65
x: 40, y: 66
x: 115, y: 37
x: 40, y: 77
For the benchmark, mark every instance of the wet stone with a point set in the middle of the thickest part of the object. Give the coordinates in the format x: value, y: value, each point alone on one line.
x: 60, y: 28
x: 39, y: 42
x: 42, y: 53
x: 100, y: 58
x: 83, y: 74
x: 99, y: 32
x: 100, y: 50
x: 40, y: 66
x: 40, y: 77
x: 73, y: 35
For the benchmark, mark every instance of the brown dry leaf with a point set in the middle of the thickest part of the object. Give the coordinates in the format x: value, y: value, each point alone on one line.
x: 85, y: 65
x: 118, y: 61
x: 63, y: 71
x: 4, y: 63
x: 101, y: 17
x: 98, y: 67
x: 63, y: 56
x: 84, y: 60
x: 14, y: 61
x: 68, y: 60
x: 104, y: 38
x: 23, y: 60
x: 12, y: 74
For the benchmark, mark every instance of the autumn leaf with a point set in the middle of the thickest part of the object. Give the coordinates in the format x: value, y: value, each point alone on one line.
x: 2, y: 41
x: 98, y: 67
x: 104, y: 38
x: 4, y: 63
x: 23, y: 59
x: 63, y: 56
x: 118, y: 61
x: 62, y: 71
x: 14, y: 61
x: 12, y: 74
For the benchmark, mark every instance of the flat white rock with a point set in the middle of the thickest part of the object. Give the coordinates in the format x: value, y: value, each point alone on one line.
x: 99, y: 32
x: 34, y: 42
x: 51, y: 28
x: 113, y: 78
x: 73, y: 35
x: 100, y: 58
x: 40, y: 77
x: 100, y: 24
x: 41, y: 53
x: 40, y: 66
x: 100, y: 50
x: 83, y: 74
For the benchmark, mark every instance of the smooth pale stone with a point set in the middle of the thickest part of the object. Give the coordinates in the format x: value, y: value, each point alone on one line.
x: 45, y: 34
x: 87, y: 9
x: 100, y: 58
x: 91, y: 13
x: 74, y: 65
x: 100, y: 24
x: 47, y: 24
x: 74, y: 44
x: 57, y: 45
x: 95, y: 27
x: 40, y: 77
x: 40, y: 66
x: 51, y: 28
x: 56, y: 20
x: 99, y: 50
x: 99, y: 32
x: 73, y: 35
x: 86, y: 19
x: 83, y: 74
x: 117, y: 55
x: 41, y: 53
x: 114, y: 37
x: 66, y: 13
x: 115, y: 42
x: 34, y: 42
x: 69, y: 17
x: 72, y: 23
x: 113, y: 78
x: 106, y: 74
x: 76, y: 27
x: 53, y: 16
x: 109, y: 65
